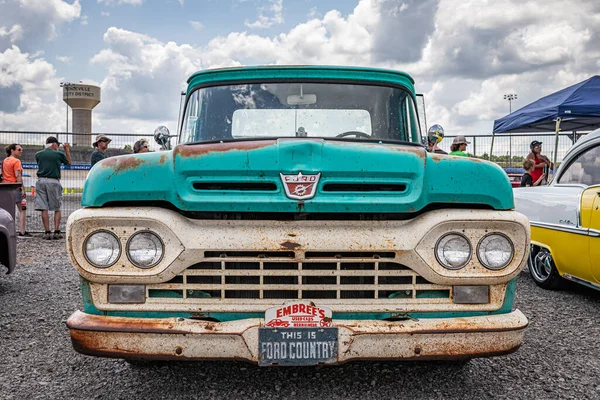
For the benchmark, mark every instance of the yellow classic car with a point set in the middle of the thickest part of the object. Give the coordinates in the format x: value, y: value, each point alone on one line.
x: 565, y: 219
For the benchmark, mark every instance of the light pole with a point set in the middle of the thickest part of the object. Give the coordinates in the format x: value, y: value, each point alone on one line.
x: 510, y: 97
x: 66, y: 85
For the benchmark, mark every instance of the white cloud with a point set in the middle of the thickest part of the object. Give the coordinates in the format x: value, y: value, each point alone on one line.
x: 313, y: 13
x: 463, y: 54
x: 181, y: 2
x: 29, y: 94
x: 275, y: 9
x: 14, y: 34
x: 104, y: 14
x: 64, y: 59
x: 34, y: 21
x: 84, y: 20
x: 145, y: 76
x: 28, y: 91
x: 196, y: 25
x: 119, y: 2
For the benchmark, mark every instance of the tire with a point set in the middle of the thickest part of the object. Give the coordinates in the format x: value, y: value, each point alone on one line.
x: 542, y: 268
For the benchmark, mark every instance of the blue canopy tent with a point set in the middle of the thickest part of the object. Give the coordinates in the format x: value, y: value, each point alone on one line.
x: 571, y: 109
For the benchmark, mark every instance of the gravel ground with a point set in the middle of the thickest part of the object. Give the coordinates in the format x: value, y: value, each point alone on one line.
x: 71, y: 202
x: 560, y: 357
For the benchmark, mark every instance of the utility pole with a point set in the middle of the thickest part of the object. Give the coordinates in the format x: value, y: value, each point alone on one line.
x: 65, y: 86
x: 510, y: 97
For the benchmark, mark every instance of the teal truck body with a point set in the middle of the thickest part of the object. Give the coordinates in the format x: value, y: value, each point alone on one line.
x: 298, y: 221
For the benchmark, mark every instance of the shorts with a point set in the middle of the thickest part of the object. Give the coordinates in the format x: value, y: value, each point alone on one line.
x: 48, y: 194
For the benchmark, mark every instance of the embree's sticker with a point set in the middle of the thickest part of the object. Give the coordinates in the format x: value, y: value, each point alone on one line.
x: 298, y: 315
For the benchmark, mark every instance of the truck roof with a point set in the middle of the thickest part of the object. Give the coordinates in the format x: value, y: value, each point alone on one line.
x: 310, y: 72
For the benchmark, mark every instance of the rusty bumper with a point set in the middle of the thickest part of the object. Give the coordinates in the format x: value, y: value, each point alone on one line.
x: 186, y: 339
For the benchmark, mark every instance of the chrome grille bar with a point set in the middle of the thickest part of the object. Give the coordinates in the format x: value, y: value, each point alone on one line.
x: 269, y: 278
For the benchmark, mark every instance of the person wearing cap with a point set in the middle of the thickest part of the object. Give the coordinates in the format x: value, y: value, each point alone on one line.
x: 101, y: 144
x: 48, y: 196
x: 458, y: 146
x: 540, y: 162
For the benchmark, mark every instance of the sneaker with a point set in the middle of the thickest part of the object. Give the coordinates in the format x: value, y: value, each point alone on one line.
x: 56, y: 235
x: 47, y: 236
x: 25, y: 235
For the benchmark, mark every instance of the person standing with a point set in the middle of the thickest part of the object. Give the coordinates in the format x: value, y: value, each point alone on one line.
x: 141, y: 146
x: 540, y: 162
x: 48, y: 188
x: 99, y: 153
x: 12, y: 172
x: 459, y: 147
x: 526, y: 179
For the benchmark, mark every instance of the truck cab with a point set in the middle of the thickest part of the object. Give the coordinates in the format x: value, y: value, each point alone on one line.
x: 298, y: 221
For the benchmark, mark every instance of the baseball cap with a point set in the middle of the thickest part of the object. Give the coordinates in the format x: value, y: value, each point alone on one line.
x: 460, y: 140
x: 99, y: 138
x: 52, y: 139
x: 535, y: 143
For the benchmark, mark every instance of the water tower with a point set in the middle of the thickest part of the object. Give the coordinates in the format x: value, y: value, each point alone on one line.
x: 82, y: 98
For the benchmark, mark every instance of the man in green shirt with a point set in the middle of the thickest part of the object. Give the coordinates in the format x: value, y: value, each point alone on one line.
x: 48, y: 190
x: 458, y: 147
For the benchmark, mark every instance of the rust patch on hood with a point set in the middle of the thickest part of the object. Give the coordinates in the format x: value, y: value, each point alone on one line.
x: 197, y: 150
x: 163, y: 159
x: 123, y: 163
x: 418, y: 151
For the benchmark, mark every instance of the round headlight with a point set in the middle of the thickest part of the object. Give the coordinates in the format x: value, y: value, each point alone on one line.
x: 495, y: 251
x: 102, y: 249
x: 453, y: 251
x: 145, y: 249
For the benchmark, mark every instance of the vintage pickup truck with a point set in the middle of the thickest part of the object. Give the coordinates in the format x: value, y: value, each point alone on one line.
x: 298, y: 221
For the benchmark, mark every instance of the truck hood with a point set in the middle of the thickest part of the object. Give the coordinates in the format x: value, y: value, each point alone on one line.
x: 245, y: 176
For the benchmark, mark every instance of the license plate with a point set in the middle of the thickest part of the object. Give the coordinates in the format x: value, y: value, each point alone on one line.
x: 297, y: 346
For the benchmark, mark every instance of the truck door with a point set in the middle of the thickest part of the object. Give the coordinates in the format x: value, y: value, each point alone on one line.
x: 595, y: 234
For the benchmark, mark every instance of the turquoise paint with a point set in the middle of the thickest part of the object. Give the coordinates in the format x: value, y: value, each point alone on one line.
x: 89, y: 308
x: 428, y: 178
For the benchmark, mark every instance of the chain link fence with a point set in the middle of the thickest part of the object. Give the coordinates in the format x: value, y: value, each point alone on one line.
x: 72, y: 177
x: 508, y: 151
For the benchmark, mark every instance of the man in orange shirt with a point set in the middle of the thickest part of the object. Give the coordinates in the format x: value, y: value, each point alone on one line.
x: 12, y: 172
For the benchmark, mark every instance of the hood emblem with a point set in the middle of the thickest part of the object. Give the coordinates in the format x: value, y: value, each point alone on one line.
x: 300, y: 187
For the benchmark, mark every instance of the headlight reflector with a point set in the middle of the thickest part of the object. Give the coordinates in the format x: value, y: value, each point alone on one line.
x: 145, y: 249
x: 495, y: 251
x: 102, y: 249
x: 453, y: 251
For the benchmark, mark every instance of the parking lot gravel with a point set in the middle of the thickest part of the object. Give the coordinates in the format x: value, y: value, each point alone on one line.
x: 559, y: 359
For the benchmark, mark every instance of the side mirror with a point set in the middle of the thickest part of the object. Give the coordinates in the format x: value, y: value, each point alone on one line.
x: 162, y: 136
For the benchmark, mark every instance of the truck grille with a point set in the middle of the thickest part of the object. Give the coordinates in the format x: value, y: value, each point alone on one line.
x: 270, y: 277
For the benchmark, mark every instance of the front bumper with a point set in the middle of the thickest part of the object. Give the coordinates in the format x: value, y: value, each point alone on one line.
x: 187, y: 339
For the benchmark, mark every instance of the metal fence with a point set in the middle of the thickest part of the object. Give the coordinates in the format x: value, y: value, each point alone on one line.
x: 73, y: 177
x: 508, y: 151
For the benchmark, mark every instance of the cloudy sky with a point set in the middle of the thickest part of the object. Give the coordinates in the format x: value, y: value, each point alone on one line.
x: 464, y: 54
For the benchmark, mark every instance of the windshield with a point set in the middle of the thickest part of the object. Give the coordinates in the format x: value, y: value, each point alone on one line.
x: 299, y: 109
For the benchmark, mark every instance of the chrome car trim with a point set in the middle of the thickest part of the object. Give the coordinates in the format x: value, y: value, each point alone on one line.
x: 594, y: 233
x: 577, y: 231
x: 582, y: 281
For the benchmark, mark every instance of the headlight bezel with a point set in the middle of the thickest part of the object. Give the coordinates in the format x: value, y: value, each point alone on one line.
x: 85, y: 254
x: 127, y: 249
x: 512, y: 249
x: 448, y: 266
